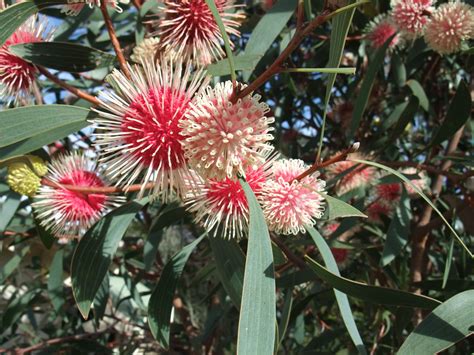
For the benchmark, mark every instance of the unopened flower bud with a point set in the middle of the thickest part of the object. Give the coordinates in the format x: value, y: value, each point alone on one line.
x: 22, y: 179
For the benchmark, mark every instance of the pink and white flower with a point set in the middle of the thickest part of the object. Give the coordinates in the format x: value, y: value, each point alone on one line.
x: 224, y: 139
x: 139, y: 130
x: 17, y: 76
x: 290, y: 205
x: 411, y: 16
x: 450, y: 25
x: 188, y: 28
x: 380, y: 29
x: 69, y: 213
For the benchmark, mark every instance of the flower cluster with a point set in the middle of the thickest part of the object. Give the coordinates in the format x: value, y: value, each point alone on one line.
x: 444, y: 28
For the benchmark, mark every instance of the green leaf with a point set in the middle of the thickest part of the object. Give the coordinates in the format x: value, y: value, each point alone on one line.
x: 161, y: 300
x: 230, y: 57
x: 257, y: 313
x: 459, y: 112
x: 8, y: 209
x: 63, y: 56
x: 285, y: 317
x: 397, y: 234
x: 268, y: 29
x: 419, y: 92
x: 420, y: 193
x: 448, y: 324
x: 340, y: 29
x: 29, y: 128
x: 373, y: 294
x: 347, y: 71
x: 170, y: 215
x: 449, y: 260
x: 16, y: 308
x: 230, y: 266
x: 242, y: 62
x: 94, y: 253
x: 101, y: 298
x: 55, y: 281
x: 340, y: 209
x: 14, y: 16
x: 11, y: 265
x: 341, y: 298
x: 405, y: 118
x: 47, y: 238
x: 366, y: 87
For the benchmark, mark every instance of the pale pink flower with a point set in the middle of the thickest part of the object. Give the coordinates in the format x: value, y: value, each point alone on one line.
x: 351, y: 175
x: 421, y: 183
x: 380, y: 29
x: 221, y: 206
x: 75, y: 6
x: 17, y: 76
x: 188, y: 28
x: 450, y: 25
x: 288, y: 205
x: 411, y: 16
x: 139, y: 129
x: 68, y: 213
x: 224, y: 139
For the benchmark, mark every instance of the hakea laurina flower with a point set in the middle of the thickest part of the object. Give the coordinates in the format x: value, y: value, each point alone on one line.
x: 188, y: 28
x: 139, y: 130
x: 221, y: 206
x: 377, y: 209
x: 450, y: 25
x: 145, y: 50
x: 26, y: 178
x: 75, y: 6
x: 351, y: 175
x: 16, y: 75
x: 289, y: 205
x: 68, y: 213
x: 380, y: 29
x: 224, y: 139
x: 411, y: 16
x: 388, y: 193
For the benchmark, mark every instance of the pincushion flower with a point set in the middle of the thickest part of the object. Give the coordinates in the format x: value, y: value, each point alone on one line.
x: 17, y: 76
x: 350, y: 175
x: 411, y: 16
x: 450, y: 25
x: 221, y: 206
x: 377, y: 209
x: 188, y: 28
x: 380, y: 29
x: 224, y: 139
x: 139, y: 130
x: 68, y: 213
x: 388, y: 193
x: 75, y: 6
x: 289, y: 205
x: 145, y: 50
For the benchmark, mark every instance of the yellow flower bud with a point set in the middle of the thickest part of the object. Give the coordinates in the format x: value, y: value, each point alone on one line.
x: 22, y: 179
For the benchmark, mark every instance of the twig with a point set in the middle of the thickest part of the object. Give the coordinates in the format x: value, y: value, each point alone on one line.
x: 114, y: 39
x: 98, y: 190
x: 319, y: 165
x: 70, y: 88
x: 288, y: 253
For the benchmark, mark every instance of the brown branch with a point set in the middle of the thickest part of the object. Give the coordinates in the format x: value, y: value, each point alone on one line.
x: 319, y: 165
x: 420, y: 240
x: 277, y: 65
x: 79, y: 93
x: 97, y: 190
x: 288, y: 253
x: 114, y: 39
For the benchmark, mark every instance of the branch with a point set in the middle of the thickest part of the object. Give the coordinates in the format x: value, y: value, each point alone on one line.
x: 114, y: 39
x: 431, y: 169
x: 288, y: 253
x: 70, y: 88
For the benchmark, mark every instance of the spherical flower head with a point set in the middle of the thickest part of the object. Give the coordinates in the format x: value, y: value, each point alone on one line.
x: 224, y: 139
x: 289, y: 205
x: 351, y: 175
x: 145, y: 50
x: 450, y: 25
x: 188, y: 27
x: 380, y: 29
x: 221, y: 205
x: 23, y: 179
x: 16, y: 75
x: 140, y: 133
x: 75, y: 6
x: 389, y: 193
x: 377, y: 209
x: 68, y: 213
x: 411, y: 16
x: 420, y: 183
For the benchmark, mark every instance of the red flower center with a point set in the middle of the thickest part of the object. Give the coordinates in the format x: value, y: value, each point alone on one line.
x: 151, y: 124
